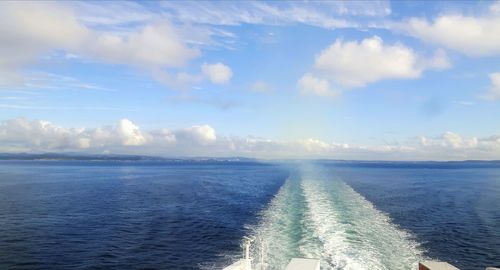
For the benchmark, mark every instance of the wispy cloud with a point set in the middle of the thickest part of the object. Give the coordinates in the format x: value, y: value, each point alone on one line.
x: 464, y: 103
x: 44, y: 80
x: 112, y: 15
x: 65, y: 108
x: 219, y: 103
x: 322, y: 14
x: 13, y: 98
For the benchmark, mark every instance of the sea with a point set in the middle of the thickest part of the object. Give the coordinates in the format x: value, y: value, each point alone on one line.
x: 195, y: 214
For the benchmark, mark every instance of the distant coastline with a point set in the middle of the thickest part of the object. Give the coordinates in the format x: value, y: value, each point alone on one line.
x: 124, y: 157
x: 111, y: 157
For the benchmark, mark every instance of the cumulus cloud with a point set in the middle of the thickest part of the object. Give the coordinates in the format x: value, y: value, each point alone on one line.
x: 130, y: 133
x: 351, y: 64
x: 309, y: 84
x: 494, y: 91
x: 356, y: 64
x: 449, y: 140
x: 157, y: 45
x: 22, y: 135
x: 452, y: 146
x: 470, y: 35
x: 217, y: 73
x: 29, y: 30
x: 201, y: 134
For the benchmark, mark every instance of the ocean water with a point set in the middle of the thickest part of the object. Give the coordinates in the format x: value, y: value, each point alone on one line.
x: 194, y: 215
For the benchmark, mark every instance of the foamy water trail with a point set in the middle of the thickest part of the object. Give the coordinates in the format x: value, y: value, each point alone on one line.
x: 278, y: 235
x: 316, y: 216
x: 325, y: 223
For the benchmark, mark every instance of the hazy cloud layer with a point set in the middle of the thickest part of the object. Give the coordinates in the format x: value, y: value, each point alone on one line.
x: 22, y: 135
x: 261, y: 86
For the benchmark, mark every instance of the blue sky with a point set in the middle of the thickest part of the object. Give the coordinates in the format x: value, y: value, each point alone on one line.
x: 356, y: 80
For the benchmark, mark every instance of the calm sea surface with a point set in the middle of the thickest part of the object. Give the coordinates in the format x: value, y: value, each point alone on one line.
x: 194, y: 215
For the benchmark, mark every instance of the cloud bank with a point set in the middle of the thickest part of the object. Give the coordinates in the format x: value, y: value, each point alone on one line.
x: 22, y: 135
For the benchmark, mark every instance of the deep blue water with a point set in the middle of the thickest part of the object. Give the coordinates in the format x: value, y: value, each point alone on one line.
x: 171, y: 215
x: 453, y: 210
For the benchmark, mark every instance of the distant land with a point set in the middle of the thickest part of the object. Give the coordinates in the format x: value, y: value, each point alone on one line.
x: 119, y: 157
x: 112, y: 157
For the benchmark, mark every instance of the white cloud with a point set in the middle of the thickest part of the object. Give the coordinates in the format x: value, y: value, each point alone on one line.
x: 309, y: 84
x: 321, y: 14
x: 356, y: 64
x: 350, y: 64
x: 29, y: 30
x: 494, y: 91
x: 314, y: 145
x: 25, y: 135
x: 454, y: 145
x: 200, y: 134
x: 464, y: 103
x: 130, y: 133
x: 131, y: 34
x: 44, y: 80
x: 32, y: 135
x: 439, y: 61
x: 217, y: 73
x: 261, y: 86
x: 470, y: 35
x: 155, y: 45
x: 112, y: 13
x: 21, y: 135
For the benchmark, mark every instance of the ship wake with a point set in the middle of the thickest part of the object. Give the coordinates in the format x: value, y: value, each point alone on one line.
x: 314, y: 215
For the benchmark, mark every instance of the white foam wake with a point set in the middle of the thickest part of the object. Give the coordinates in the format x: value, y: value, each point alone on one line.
x: 279, y: 230
x: 317, y: 217
x: 324, y: 223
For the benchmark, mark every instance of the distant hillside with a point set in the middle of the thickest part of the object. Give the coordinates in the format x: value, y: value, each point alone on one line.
x: 108, y: 157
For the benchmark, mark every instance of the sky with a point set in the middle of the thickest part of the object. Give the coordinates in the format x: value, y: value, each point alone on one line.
x: 403, y: 80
